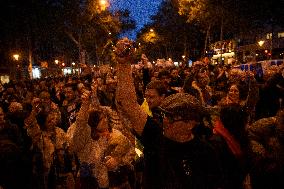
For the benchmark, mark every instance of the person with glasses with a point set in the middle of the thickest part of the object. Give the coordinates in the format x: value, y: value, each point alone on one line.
x: 173, y: 156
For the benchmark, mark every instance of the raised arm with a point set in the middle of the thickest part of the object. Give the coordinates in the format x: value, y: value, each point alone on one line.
x: 31, y: 125
x: 82, y: 133
x: 125, y: 93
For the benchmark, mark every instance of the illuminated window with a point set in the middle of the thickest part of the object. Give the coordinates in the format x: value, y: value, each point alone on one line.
x: 5, y: 79
x: 269, y: 36
x: 67, y: 71
x: 281, y: 34
x: 36, y: 73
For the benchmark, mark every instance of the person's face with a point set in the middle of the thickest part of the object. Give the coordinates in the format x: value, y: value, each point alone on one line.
x: 101, y: 129
x: 1, y: 116
x: 203, y: 78
x: 111, y: 85
x: 234, y: 93
x: 154, y: 78
x: 186, y: 73
x: 156, y: 74
x: 174, y: 73
x: 46, y: 101
x: 153, y: 98
x: 52, y: 121
x: 69, y: 93
x: 176, y: 128
x: 36, y: 86
x: 80, y: 87
x: 165, y: 79
x: 60, y: 86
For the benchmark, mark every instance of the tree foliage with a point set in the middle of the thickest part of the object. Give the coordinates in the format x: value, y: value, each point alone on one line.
x: 237, y: 17
x: 127, y: 23
x: 196, y: 10
x: 87, y: 25
x: 59, y: 29
x: 172, y: 36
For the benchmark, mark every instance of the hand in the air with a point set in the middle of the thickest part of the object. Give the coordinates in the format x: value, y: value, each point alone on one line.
x: 111, y: 162
x: 36, y: 102
x: 124, y: 50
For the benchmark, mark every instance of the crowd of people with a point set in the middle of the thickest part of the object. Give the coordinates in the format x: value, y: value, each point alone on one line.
x: 199, y: 127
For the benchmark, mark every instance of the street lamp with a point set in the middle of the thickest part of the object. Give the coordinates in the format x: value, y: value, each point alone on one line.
x: 16, y: 75
x: 103, y: 4
x: 151, y: 30
x: 260, y: 43
x: 56, y: 61
x: 183, y: 56
x: 16, y: 57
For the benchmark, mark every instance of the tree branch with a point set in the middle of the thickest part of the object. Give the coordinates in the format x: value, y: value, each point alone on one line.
x: 70, y: 35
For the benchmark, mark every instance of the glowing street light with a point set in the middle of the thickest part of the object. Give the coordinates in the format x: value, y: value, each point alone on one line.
x: 151, y: 30
x: 56, y: 61
x: 109, y: 33
x: 104, y: 4
x: 260, y: 43
x: 16, y: 56
x: 16, y: 66
x: 73, y: 63
x: 183, y: 56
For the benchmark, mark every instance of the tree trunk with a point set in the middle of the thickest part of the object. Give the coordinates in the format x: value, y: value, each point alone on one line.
x: 82, y: 51
x: 82, y: 55
x: 222, y: 21
x: 206, y: 39
x: 167, y: 53
x: 185, y: 45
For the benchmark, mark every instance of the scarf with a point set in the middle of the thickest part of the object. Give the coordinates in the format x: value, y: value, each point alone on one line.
x: 232, y: 143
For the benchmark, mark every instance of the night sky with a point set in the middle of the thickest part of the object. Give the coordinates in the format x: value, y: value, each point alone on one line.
x: 140, y: 10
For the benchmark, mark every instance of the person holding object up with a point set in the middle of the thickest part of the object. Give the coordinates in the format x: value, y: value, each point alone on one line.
x: 104, y: 153
x: 174, y: 156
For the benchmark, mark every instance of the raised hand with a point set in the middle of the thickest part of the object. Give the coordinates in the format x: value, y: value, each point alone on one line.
x: 111, y: 163
x: 36, y: 105
x: 94, y: 86
x: 95, y: 101
x: 124, y: 50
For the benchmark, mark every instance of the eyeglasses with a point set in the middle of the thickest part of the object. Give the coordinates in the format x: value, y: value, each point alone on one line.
x: 170, y: 116
x: 173, y: 119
